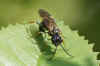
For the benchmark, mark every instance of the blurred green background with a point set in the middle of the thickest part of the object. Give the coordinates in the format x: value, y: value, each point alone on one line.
x: 81, y: 15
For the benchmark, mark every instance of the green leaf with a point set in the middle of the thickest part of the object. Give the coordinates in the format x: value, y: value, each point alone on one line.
x: 21, y: 45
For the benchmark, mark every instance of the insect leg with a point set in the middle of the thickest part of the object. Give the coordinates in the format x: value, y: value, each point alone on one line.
x: 65, y: 50
x: 55, y: 51
x: 53, y: 54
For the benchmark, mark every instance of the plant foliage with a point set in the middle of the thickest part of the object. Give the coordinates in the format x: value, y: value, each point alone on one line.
x: 21, y: 45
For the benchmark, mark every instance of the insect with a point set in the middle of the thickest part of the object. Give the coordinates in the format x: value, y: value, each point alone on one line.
x: 48, y: 23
